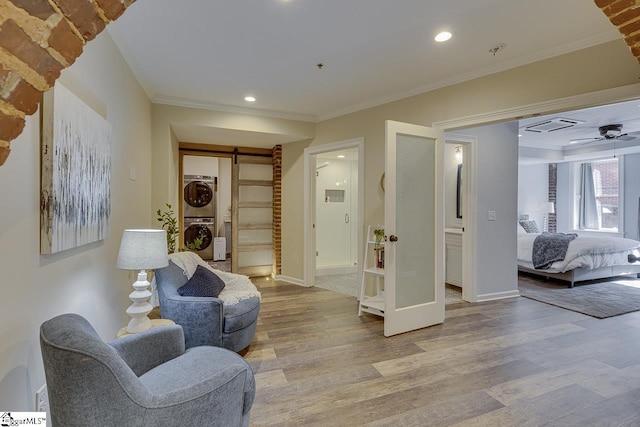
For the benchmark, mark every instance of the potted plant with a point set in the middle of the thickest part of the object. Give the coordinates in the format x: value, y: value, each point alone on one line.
x: 377, y: 247
x: 170, y: 224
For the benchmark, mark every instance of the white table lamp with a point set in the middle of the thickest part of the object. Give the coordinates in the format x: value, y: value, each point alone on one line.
x: 142, y: 250
x: 547, y: 208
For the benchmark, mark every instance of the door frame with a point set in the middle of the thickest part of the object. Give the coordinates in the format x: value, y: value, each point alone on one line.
x: 310, y: 204
x: 469, y: 212
x: 516, y: 113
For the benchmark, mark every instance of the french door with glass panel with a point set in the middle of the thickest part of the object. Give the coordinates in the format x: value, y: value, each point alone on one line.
x: 414, y: 210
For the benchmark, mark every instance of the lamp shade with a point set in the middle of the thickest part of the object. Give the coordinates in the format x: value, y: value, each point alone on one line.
x: 143, y: 250
x: 547, y: 207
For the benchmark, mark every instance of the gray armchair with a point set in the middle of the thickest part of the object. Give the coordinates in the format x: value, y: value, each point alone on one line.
x: 206, y: 320
x: 145, y: 379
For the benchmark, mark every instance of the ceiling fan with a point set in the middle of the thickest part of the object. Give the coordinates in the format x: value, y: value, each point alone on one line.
x: 607, y: 133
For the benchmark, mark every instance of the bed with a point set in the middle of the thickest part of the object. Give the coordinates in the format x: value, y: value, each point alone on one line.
x: 587, y: 258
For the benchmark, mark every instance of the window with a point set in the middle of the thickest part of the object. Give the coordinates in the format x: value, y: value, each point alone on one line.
x: 597, y: 195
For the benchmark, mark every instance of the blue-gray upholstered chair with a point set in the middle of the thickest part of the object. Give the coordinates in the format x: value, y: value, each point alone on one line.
x: 206, y: 320
x: 145, y: 379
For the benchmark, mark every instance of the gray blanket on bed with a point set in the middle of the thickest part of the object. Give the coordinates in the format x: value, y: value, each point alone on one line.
x: 549, y: 248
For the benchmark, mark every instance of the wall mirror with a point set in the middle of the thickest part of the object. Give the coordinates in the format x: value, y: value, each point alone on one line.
x: 458, y: 193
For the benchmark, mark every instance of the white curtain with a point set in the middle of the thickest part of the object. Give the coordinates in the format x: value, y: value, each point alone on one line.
x: 588, y: 215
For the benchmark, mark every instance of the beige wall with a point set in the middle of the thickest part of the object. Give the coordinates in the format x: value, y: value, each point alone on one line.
x: 292, y: 208
x: 598, y: 68
x: 83, y: 280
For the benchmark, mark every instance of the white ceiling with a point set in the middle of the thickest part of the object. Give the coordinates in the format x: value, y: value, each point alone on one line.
x: 212, y: 53
x: 560, y: 145
x: 625, y: 113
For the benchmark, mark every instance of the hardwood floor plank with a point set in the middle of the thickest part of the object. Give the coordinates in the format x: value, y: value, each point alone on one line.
x: 626, y: 357
x: 512, y: 362
x: 619, y: 411
x: 577, y: 353
x: 443, y: 412
x: 537, y: 411
x: 259, y: 355
x: 542, y: 382
x: 614, y: 383
x: 270, y: 379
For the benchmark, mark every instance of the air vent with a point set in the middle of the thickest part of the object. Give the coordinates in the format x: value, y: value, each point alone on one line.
x: 552, y: 125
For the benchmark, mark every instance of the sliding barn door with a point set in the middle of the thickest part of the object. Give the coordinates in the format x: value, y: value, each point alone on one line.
x: 252, y: 213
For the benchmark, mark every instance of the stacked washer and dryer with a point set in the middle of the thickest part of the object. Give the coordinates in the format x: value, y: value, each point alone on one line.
x: 199, y: 212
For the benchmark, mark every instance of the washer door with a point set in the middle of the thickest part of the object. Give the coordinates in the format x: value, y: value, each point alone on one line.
x: 195, y: 232
x: 198, y: 194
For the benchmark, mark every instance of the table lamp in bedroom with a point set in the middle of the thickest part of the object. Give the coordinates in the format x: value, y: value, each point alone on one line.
x: 547, y: 208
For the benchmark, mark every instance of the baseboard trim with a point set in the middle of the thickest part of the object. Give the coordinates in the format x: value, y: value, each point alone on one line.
x: 329, y: 270
x: 498, y: 295
x: 291, y: 280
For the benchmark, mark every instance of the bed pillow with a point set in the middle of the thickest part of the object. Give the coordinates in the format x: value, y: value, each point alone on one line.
x: 203, y: 283
x: 529, y: 226
x: 521, y: 229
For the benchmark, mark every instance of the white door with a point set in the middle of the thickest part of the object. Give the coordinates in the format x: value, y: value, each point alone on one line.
x: 414, y: 210
x: 333, y: 213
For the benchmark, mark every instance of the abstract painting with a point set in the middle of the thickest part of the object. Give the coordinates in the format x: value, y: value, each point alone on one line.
x: 75, y: 199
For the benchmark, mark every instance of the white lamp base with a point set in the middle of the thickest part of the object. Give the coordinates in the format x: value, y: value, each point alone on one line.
x: 140, y: 308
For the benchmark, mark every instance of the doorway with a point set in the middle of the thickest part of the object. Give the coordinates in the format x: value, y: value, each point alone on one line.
x: 336, y: 219
x: 241, y: 224
x: 206, y: 183
x: 460, y: 165
x: 333, y: 215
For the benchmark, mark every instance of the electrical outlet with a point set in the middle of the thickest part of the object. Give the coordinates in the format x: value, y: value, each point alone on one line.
x: 42, y: 399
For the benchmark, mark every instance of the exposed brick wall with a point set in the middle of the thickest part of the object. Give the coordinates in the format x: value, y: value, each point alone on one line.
x: 277, y: 209
x: 625, y: 15
x: 38, y: 39
x: 553, y: 185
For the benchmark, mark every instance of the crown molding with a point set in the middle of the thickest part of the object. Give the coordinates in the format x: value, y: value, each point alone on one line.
x: 130, y: 59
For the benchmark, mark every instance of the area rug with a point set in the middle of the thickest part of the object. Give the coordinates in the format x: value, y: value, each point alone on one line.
x: 599, y: 299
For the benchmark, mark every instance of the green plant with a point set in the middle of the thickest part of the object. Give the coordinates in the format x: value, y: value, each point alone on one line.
x: 379, y: 233
x: 197, y: 243
x: 170, y: 224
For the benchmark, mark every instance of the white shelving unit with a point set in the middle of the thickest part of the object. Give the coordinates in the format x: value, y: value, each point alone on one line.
x: 372, y: 303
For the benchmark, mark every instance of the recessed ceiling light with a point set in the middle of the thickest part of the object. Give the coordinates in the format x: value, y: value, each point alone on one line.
x: 340, y: 156
x: 443, y: 36
x: 249, y: 99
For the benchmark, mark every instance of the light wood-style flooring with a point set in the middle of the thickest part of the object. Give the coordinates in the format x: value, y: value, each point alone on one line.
x: 514, y: 362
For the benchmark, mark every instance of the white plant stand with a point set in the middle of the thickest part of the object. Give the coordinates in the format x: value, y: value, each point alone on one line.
x: 372, y: 302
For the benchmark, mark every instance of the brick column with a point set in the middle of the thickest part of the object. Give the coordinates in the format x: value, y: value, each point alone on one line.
x: 625, y: 15
x: 277, y: 209
x: 553, y: 184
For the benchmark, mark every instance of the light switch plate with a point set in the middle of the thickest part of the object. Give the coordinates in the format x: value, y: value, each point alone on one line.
x: 492, y: 215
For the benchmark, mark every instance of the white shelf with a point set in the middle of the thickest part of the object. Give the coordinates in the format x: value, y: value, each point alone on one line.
x: 373, y: 304
x: 376, y: 302
x: 375, y: 270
